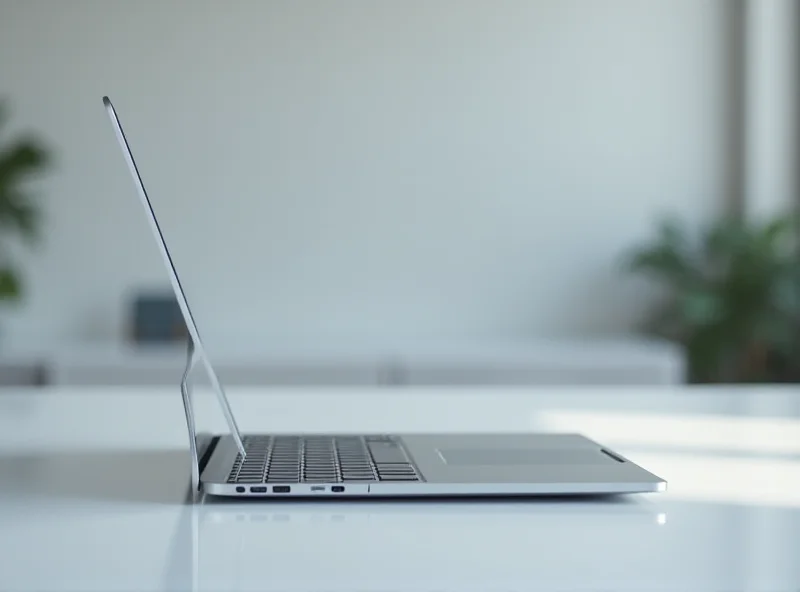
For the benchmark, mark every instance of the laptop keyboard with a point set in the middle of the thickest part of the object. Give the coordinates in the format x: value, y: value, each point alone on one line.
x: 322, y: 459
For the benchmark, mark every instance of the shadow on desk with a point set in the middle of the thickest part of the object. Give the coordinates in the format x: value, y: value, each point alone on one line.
x: 111, y: 476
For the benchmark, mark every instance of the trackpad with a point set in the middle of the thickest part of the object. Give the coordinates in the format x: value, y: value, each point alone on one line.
x: 520, y: 456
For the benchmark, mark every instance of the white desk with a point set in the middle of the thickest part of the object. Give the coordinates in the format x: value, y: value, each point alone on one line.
x: 92, y: 483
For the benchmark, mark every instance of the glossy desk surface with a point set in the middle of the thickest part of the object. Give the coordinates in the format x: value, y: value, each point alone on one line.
x: 93, y: 483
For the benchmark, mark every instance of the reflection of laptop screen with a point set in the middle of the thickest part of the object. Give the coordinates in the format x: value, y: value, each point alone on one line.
x: 417, y: 546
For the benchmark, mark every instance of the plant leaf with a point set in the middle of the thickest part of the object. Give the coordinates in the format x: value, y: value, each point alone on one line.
x: 23, y: 158
x: 668, y: 257
x: 723, y: 240
x: 779, y: 228
x: 701, y: 307
x: 19, y: 161
x: 10, y: 288
x: 18, y: 212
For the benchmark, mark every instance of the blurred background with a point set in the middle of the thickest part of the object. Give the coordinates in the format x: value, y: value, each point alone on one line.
x: 439, y: 192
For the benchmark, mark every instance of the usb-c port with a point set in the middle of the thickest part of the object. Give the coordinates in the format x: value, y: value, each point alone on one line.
x: 281, y: 489
x: 337, y: 488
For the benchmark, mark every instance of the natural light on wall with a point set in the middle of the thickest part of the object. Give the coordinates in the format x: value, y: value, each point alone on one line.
x: 707, y: 432
x: 757, y: 461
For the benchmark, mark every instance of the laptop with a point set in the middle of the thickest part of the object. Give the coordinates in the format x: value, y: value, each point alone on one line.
x: 384, y: 465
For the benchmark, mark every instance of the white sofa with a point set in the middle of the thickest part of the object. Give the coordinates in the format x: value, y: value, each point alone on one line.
x: 159, y: 365
x: 24, y: 373
x: 627, y: 361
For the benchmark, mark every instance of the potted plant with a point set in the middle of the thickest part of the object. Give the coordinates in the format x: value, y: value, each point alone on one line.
x: 733, y: 297
x: 21, y: 158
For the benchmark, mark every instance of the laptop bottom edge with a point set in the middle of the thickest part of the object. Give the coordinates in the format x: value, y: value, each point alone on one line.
x: 416, y: 490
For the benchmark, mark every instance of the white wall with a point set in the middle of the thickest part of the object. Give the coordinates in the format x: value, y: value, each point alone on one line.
x: 772, y: 114
x: 368, y: 169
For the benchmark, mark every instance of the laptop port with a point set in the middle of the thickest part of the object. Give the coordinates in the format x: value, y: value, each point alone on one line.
x: 317, y: 488
x: 337, y: 488
x: 258, y: 490
x: 240, y: 489
x: 281, y: 489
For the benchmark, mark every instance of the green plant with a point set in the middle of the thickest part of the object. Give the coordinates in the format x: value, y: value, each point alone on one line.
x: 733, y: 297
x: 20, y: 159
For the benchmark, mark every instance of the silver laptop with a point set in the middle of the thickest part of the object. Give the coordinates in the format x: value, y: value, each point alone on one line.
x: 389, y: 465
